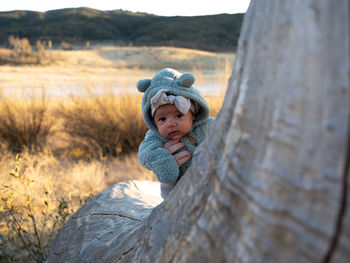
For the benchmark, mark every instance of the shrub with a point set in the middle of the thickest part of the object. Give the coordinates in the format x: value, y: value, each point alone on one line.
x: 104, y: 125
x: 66, y: 46
x: 31, y: 225
x: 22, y: 54
x: 20, y: 45
x: 43, y: 191
x: 40, y: 46
x: 23, y: 125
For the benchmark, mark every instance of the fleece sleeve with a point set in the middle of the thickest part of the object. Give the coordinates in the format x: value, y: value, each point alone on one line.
x: 154, y: 157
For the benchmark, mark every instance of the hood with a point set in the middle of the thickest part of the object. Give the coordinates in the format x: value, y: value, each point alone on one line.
x: 178, y: 84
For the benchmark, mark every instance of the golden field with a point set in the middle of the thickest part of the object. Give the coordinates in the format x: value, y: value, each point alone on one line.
x: 76, y: 124
x: 114, y: 68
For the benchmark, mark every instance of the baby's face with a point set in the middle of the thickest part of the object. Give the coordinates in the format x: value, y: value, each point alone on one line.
x: 171, y: 123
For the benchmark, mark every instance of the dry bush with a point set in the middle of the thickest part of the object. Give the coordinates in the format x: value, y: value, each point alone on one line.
x: 31, y: 222
x: 24, y: 125
x: 42, y: 192
x: 22, y: 54
x: 20, y: 45
x: 40, y: 58
x: 40, y: 46
x: 90, y: 127
x: 104, y: 125
x: 66, y: 45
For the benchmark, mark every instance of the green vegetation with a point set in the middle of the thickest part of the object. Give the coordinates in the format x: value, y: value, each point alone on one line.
x: 78, y: 25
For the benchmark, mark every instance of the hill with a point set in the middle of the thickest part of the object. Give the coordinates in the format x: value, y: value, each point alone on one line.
x: 78, y: 25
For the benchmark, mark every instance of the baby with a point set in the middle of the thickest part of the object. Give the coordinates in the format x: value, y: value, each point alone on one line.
x: 178, y: 120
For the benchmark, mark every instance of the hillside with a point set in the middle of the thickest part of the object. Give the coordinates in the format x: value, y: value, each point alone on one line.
x: 78, y: 25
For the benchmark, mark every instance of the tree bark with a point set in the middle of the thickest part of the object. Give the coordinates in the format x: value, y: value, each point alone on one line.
x: 270, y: 184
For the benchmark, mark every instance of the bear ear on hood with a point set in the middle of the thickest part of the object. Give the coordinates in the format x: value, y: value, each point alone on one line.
x: 186, y: 80
x: 143, y: 84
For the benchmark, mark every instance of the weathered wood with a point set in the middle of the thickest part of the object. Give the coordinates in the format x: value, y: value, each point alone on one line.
x: 115, y: 210
x: 271, y: 182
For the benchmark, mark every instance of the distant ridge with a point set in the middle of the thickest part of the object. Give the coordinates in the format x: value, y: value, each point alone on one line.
x: 78, y: 25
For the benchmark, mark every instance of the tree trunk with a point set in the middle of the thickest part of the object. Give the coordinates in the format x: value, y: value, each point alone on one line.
x: 270, y: 184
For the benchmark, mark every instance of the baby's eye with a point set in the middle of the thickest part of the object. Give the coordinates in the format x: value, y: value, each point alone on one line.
x: 178, y: 116
x: 161, y: 119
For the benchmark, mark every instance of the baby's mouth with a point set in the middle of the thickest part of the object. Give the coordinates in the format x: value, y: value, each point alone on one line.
x: 172, y: 133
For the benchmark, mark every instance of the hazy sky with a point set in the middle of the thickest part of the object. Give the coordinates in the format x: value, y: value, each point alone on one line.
x: 157, y: 7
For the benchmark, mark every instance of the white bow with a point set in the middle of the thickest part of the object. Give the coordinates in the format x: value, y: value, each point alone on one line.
x: 161, y: 98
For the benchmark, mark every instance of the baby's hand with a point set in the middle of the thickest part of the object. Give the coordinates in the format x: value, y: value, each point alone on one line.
x: 181, y: 157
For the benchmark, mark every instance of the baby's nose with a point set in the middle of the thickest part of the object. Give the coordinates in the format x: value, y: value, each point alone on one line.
x: 171, y: 123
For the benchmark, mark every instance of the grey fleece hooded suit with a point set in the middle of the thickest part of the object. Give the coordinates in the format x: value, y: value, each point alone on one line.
x: 152, y: 154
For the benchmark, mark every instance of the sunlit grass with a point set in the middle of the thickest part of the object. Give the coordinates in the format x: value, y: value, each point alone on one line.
x: 105, y: 125
x: 24, y: 125
x: 117, y: 68
x: 39, y: 194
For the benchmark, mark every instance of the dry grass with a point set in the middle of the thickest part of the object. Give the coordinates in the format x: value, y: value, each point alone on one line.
x: 15, y: 58
x: 72, y: 178
x: 21, y: 53
x: 117, y: 68
x: 87, y: 128
x: 104, y: 125
x: 39, y: 197
x: 24, y: 125
x: 71, y: 119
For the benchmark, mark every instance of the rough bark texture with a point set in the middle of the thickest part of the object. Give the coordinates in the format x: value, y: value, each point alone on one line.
x: 271, y: 182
